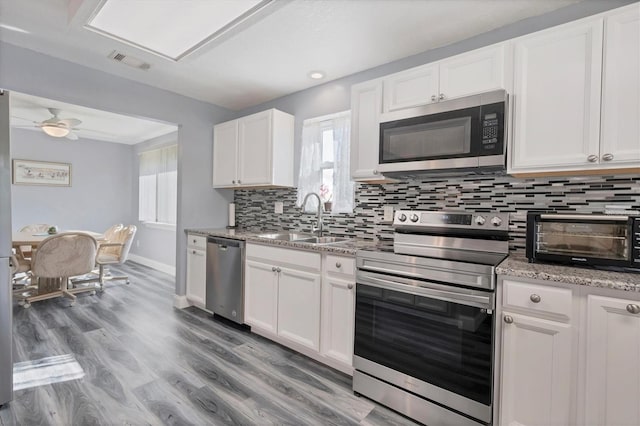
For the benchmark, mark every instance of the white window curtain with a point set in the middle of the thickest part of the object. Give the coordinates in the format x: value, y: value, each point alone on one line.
x: 158, y: 185
x: 310, y: 178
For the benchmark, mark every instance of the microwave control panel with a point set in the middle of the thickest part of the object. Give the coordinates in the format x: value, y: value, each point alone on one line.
x: 635, y: 250
x: 492, y: 123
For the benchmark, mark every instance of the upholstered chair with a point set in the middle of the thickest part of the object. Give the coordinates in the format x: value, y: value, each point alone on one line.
x: 20, y: 271
x: 58, y: 258
x: 115, y: 252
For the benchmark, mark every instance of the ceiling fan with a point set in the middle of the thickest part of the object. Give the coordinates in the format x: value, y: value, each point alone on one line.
x: 58, y: 127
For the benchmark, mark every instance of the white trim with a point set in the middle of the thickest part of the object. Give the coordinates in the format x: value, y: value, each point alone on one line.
x: 326, y: 117
x: 160, y: 225
x: 180, y: 301
x: 158, y: 266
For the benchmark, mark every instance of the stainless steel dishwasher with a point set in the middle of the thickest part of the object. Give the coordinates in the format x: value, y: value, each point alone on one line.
x: 225, y: 278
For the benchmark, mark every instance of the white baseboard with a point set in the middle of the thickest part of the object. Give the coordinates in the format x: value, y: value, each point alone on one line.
x: 158, y: 266
x: 180, y: 302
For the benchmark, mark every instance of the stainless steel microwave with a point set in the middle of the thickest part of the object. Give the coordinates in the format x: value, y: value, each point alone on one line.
x: 592, y: 240
x: 459, y: 135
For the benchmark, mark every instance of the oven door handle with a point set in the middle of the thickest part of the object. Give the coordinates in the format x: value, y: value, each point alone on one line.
x: 428, y: 289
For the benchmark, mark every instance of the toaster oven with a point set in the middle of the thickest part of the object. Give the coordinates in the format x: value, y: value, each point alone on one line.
x: 593, y: 240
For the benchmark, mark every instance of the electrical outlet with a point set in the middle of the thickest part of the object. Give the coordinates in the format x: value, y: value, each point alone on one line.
x: 279, y: 207
x: 388, y: 213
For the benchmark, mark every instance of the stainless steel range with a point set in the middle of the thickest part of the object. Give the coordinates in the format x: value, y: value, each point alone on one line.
x: 425, y: 326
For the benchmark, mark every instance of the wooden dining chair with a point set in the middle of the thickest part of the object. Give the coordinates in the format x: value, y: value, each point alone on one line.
x: 58, y: 258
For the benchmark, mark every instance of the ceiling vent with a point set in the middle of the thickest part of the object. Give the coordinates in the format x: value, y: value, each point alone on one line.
x: 129, y: 60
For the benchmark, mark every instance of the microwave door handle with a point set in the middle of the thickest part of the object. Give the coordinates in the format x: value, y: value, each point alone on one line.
x: 421, y: 288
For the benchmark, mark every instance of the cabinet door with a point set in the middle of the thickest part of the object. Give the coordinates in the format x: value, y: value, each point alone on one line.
x: 536, y: 372
x: 556, y: 99
x: 261, y: 296
x: 473, y: 72
x: 612, y: 362
x: 196, y: 276
x: 225, y: 154
x: 299, y: 307
x: 366, y: 106
x: 338, y: 319
x: 255, y: 149
x: 417, y: 86
x: 620, y: 143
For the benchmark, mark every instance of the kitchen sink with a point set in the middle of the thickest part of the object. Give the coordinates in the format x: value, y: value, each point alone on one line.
x: 323, y: 240
x: 287, y: 236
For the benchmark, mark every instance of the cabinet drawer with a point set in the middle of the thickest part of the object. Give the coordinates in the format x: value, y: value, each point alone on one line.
x: 300, y: 259
x: 196, y: 241
x: 537, y: 298
x: 340, y: 265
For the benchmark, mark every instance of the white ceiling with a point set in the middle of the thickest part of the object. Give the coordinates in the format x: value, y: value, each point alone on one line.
x: 96, y: 124
x: 272, y: 55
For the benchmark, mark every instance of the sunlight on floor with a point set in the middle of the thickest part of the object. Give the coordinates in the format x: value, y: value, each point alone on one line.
x: 44, y: 371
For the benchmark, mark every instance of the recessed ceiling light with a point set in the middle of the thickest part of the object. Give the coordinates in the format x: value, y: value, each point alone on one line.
x: 316, y: 75
x: 12, y: 28
x: 170, y: 28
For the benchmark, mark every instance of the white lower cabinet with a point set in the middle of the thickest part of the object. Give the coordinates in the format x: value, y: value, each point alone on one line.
x: 196, y: 270
x: 299, y: 307
x: 536, y: 371
x: 569, y: 355
x: 261, y: 296
x: 612, y: 361
x: 302, y: 300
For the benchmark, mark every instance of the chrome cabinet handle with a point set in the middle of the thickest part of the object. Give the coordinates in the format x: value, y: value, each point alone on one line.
x: 592, y: 158
x: 194, y: 241
x: 375, y: 172
x: 239, y: 181
x: 433, y: 98
x: 508, y: 319
x: 233, y: 182
x: 194, y: 252
x: 273, y: 269
x: 441, y: 97
x: 607, y: 157
x: 633, y: 309
x: 338, y: 265
x: 535, y: 298
x: 278, y: 270
x: 350, y: 286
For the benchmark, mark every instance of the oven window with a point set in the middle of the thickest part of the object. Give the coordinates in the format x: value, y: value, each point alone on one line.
x: 446, y: 344
x: 596, y: 240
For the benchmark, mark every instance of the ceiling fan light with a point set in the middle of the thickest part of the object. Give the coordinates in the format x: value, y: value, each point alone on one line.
x: 55, y: 131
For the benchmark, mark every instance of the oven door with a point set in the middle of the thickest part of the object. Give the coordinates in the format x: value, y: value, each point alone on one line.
x: 431, y: 339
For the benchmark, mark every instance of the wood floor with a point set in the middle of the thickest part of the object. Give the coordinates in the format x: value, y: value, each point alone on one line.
x: 148, y: 363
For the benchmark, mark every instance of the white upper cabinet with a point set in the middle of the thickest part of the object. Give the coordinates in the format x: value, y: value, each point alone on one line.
x: 612, y: 361
x: 417, y: 86
x: 620, y: 140
x: 256, y: 150
x: 556, y: 98
x: 472, y: 72
x: 366, y: 106
x: 225, y: 137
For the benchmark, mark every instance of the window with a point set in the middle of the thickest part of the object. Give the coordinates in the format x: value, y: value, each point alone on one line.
x: 324, y: 163
x: 158, y: 186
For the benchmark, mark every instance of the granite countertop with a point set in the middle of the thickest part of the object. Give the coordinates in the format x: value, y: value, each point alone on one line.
x: 518, y: 266
x: 348, y: 247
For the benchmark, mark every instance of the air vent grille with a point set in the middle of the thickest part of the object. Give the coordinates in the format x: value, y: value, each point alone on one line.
x: 131, y: 61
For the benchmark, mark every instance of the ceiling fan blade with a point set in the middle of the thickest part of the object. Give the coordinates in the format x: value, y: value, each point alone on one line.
x: 28, y: 126
x: 72, y: 136
x: 70, y: 122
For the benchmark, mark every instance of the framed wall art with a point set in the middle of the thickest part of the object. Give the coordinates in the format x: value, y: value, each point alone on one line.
x: 31, y: 172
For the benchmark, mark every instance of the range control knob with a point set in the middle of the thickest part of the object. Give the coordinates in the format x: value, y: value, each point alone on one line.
x: 480, y: 220
x: 402, y: 217
x: 414, y: 217
x: 496, y: 221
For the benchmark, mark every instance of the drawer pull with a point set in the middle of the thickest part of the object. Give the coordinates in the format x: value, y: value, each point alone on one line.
x: 508, y: 319
x: 273, y: 269
x: 633, y: 309
x: 535, y: 298
x: 338, y: 265
x: 350, y: 286
x: 278, y: 270
x: 194, y: 241
x: 194, y: 252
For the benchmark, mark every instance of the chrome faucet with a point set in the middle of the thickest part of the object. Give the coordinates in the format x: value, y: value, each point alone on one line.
x: 314, y: 229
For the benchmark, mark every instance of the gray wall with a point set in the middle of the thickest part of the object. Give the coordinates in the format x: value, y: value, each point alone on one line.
x: 335, y: 96
x: 151, y: 242
x: 199, y: 205
x: 100, y: 190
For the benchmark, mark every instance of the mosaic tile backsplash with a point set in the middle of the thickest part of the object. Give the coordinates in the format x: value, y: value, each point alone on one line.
x: 589, y: 194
